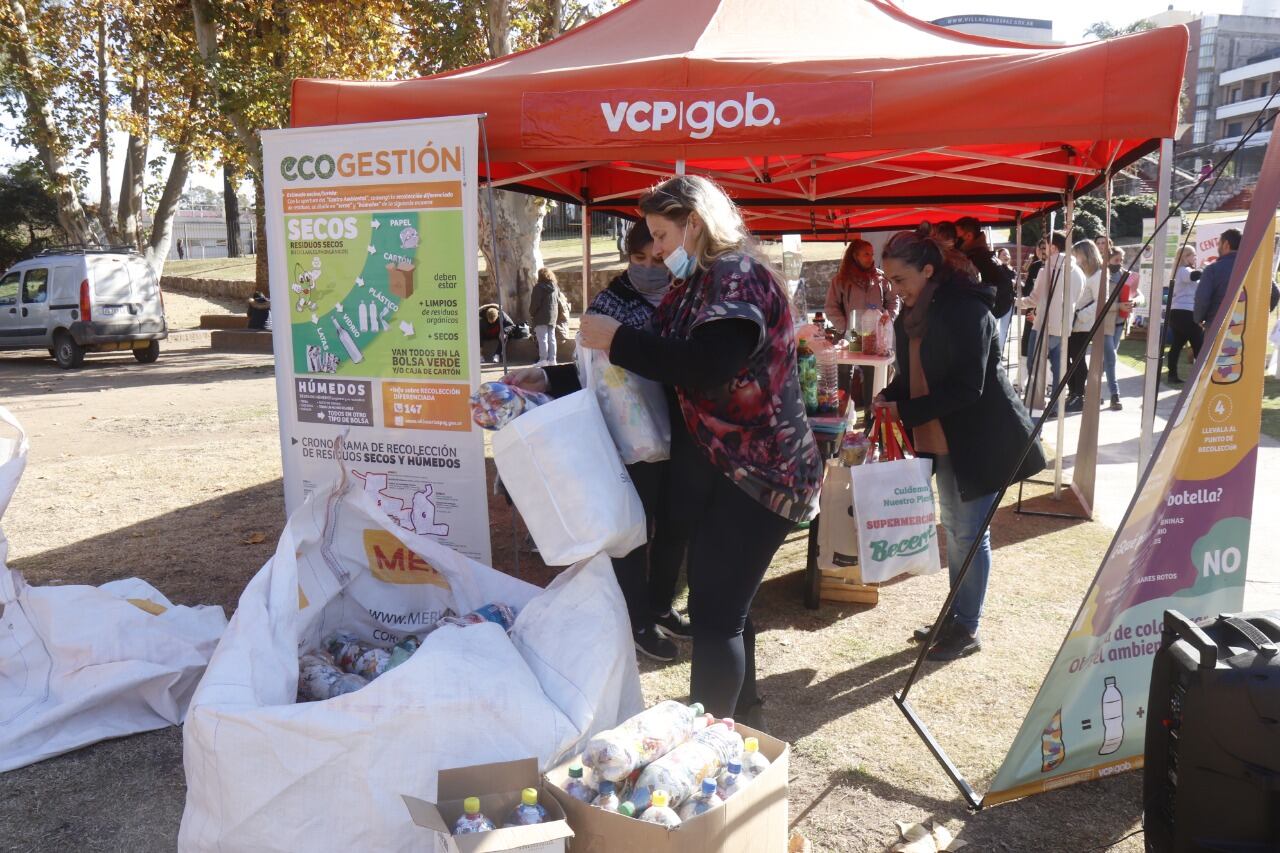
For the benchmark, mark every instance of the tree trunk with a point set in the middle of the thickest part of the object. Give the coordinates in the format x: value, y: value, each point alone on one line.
x: 262, y: 273
x: 105, y: 213
x: 519, y: 234
x: 499, y: 28
x: 135, y: 169
x: 167, y: 208
x: 231, y: 208
x: 43, y: 130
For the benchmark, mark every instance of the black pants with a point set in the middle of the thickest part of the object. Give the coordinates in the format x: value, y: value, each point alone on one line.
x: 1183, y: 329
x: 1077, y: 343
x: 649, y: 574
x: 732, y: 540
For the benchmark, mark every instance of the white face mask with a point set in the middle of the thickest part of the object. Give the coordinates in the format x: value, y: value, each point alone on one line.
x: 679, y: 262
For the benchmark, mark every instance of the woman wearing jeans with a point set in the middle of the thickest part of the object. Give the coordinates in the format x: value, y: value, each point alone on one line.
x: 744, y: 464
x: 952, y: 392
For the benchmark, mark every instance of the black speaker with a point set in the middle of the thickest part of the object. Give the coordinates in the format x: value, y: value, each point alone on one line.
x: 1212, y: 773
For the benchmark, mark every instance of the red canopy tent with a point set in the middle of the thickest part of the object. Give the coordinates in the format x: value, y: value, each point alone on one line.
x: 821, y: 118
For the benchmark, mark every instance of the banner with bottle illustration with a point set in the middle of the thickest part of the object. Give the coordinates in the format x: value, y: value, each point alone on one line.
x: 371, y: 233
x: 1183, y: 545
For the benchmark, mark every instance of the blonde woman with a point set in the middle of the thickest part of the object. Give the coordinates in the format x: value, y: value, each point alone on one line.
x: 1089, y: 260
x: 744, y: 464
x: 1183, y: 328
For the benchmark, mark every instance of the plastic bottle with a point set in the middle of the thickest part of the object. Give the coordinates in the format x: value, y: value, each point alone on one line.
x: 319, y: 679
x: 807, y: 368
x: 616, y: 753
x: 703, y: 801
x: 626, y: 810
x: 528, y: 812
x: 828, y: 382
x: 1112, y: 716
x: 577, y: 787
x: 471, y: 820
x: 753, y: 763
x: 660, y: 812
x: 499, y: 614
x: 680, y: 772
x: 731, y: 781
x: 639, y: 800
x: 402, y: 651
x: 608, y: 798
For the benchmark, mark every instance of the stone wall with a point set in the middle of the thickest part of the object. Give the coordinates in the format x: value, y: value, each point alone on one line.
x: 570, y: 282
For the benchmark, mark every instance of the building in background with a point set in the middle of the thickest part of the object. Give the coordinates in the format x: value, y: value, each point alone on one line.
x: 1032, y: 30
x: 202, y: 229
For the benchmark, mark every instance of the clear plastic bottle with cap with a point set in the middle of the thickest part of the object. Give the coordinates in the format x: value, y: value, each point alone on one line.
x: 660, y: 812
x: 828, y: 380
x: 576, y: 786
x: 636, y: 802
x: 607, y: 799
x: 731, y: 780
x: 703, y: 801
x: 753, y: 763
x: 528, y: 812
x: 649, y: 735
x: 471, y: 819
x: 680, y: 772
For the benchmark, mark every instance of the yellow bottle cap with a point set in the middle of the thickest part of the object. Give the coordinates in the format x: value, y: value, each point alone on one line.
x: 751, y: 744
x: 659, y: 799
x: 471, y: 805
x: 529, y: 796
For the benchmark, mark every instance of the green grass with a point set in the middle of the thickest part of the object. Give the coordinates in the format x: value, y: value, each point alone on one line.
x: 1133, y: 352
x: 226, y: 269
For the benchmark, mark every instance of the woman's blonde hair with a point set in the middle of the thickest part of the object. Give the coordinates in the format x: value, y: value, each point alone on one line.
x: 1187, y: 250
x: 722, y: 228
x: 1086, y: 252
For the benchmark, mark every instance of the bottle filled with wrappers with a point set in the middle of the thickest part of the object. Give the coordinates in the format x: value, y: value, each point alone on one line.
x: 319, y: 678
x: 471, y: 820
x: 528, y: 812
x: 680, y: 772
x: 649, y: 735
x: 703, y: 801
x: 498, y: 614
x: 576, y: 786
x: 636, y: 802
x: 753, y: 763
x: 496, y: 404
x: 731, y: 780
x: 607, y: 799
x: 660, y: 812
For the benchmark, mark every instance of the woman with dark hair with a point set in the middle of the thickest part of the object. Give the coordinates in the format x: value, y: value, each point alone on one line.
x: 744, y: 464
x: 952, y: 393
x: 858, y: 286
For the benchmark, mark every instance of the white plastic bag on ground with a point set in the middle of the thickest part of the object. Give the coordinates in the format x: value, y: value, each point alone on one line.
x: 265, y: 773
x: 81, y: 664
x: 562, y: 470
x: 634, y: 408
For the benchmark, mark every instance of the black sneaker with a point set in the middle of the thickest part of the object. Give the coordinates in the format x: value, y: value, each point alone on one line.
x: 652, y: 644
x: 1075, y: 404
x: 1116, y: 405
x: 1174, y: 380
x: 954, y: 644
x: 919, y: 635
x: 673, y: 624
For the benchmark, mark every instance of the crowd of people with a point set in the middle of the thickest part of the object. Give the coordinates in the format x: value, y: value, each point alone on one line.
x: 700, y: 311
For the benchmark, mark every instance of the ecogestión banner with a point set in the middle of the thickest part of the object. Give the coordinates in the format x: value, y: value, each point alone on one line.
x: 371, y: 233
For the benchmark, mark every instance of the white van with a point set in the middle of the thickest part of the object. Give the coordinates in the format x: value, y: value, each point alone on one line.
x: 76, y: 301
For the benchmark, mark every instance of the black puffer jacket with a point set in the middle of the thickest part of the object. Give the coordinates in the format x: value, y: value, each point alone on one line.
x: 985, y: 423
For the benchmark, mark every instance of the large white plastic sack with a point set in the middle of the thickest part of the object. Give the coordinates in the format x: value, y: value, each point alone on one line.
x: 265, y: 773
x: 634, y: 408
x: 562, y: 470
x: 80, y: 664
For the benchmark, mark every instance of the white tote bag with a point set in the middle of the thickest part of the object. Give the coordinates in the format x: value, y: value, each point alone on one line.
x: 266, y: 773
x: 893, y: 504
x: 837, y: 530
x: 81, y: 664
x: 562, y: 470
x: 634, y: 408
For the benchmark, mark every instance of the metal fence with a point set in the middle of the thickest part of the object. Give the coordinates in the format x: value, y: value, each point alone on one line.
x: 564, y: 221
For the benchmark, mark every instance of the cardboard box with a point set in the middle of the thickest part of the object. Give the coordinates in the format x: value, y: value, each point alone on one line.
x: 752, y: 821
x: 498, y: 786
x: 400, y: 277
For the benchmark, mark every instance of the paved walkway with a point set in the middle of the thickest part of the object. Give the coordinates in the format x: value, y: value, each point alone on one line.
x: 1117, y: 478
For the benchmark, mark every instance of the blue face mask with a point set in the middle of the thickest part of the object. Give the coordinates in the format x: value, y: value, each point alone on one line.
x: 650, y: 282
x: 679, y: 262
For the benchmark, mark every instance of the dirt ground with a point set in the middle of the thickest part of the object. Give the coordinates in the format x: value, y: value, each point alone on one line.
x: 166, y: 471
